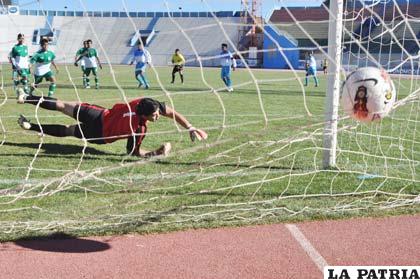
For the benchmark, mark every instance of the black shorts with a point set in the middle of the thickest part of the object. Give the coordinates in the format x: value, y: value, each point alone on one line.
x: 91, y: 125
x: 178, y: 68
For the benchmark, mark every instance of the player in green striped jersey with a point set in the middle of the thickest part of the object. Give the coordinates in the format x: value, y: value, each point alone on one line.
x: 90, y: 55
x: 43, y: 59
x: 19, y: 58
x: 79, y: 53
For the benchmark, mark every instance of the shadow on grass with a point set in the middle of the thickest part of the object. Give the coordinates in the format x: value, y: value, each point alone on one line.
x: 62, y: 243
x: 60, y: 150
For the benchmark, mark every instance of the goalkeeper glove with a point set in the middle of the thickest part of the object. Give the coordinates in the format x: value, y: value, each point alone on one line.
x: 197, y: 134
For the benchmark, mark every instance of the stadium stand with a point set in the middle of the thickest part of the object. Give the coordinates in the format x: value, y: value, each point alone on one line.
x: 205, y: 34
x: 115, y: 31
x: 117, y: 34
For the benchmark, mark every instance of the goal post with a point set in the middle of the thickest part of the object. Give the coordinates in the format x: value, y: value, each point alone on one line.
x: 333, y: 83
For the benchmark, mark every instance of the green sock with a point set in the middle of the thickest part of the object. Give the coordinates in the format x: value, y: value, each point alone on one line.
x: 25, y: 85
x: 51, y: 89
x: 15, y: 79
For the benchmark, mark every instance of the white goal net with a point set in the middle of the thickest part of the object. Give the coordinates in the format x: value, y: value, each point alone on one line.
x: 263, y: 159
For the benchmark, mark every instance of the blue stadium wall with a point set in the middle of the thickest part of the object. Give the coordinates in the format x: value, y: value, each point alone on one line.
x: 274, y: 59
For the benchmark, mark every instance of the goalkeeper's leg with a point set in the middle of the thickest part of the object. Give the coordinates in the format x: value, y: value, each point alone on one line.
x: 48, y: 103
x: 49, y: 129
x: 54, y: 129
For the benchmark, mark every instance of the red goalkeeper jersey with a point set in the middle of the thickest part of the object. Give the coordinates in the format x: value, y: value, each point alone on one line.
x: 121, y: 121
x: 101, y: 125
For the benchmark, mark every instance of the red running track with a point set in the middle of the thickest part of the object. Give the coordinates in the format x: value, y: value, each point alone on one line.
x: 269, y: 251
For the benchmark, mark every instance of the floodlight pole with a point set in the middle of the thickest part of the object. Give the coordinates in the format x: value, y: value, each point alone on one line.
x: 333, y: 83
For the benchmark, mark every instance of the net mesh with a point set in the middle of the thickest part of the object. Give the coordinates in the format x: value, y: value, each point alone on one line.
x: 263, y: 159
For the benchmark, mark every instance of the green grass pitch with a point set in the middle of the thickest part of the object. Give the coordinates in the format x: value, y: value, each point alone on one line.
x: 249, y: 171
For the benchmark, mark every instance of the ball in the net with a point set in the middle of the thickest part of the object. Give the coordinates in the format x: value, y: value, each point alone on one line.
x: 368, y: 94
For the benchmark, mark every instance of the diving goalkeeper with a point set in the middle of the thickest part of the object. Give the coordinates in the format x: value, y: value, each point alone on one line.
x: 102, y: 126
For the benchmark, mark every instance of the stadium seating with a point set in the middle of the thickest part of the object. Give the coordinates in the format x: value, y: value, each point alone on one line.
x: 115, y: 34
x: 115, y: 30
x: 205, y: 34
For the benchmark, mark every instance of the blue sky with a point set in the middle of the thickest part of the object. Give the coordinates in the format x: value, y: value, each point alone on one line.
x: 157, y: 5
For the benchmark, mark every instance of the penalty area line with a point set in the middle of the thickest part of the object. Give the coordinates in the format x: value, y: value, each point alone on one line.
x: 315, y: 256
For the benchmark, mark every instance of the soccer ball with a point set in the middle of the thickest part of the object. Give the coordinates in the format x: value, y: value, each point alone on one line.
x: 368, y: 94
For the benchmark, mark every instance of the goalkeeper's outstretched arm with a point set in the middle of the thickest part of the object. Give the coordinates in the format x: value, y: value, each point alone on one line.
x: 134, y: 142
x: 181, y: 120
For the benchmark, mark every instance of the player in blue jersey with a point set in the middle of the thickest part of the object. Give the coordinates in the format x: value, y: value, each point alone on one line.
x: 227, y: 62
x: 142, y: 57
x: 311, y: 69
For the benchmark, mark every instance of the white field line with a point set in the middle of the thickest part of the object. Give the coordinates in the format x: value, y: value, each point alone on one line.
x: 315, y: 256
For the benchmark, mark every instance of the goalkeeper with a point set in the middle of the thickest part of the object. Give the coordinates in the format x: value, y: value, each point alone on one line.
x: 178, y: 61
x: 101, y: 125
